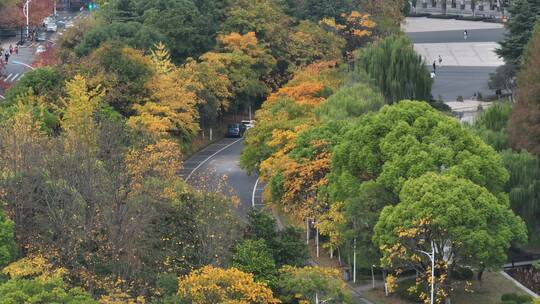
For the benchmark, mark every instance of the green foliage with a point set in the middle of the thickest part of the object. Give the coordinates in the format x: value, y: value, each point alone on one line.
x: 405, y: 141
x: 462, y: 273
x: 7, y: 240
x: 523, y: 188
x: 318, y: 9
x: 350, y: 102
x: 519, y: 30
x: 286, y: 245
x: 361, y: 213
x: 515, y: 298
x: 301, y: 285
x: 37, y: 291
x: 472, y: 225
x: 47, y: 82
x: 491, y: 124
x: 398, y: 71
x: 133, y: 34
x: 253, y: 256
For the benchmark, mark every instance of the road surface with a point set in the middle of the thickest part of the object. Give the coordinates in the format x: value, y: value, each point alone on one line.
x: 18, y: 63
x: 466, y: 63
x: 218, y: 163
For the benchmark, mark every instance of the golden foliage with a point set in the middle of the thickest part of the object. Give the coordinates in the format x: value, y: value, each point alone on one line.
x: 33, y: 266
x: 210, y: 285
x: 161, y: 160
x: 172, y: 107
x: 238, y: 42
x: 78, y: 115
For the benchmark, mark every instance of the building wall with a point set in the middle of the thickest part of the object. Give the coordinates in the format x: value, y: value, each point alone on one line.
x: 459, y: 7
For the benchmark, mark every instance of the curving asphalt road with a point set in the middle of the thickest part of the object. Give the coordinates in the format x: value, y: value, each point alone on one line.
x: 216, y: 168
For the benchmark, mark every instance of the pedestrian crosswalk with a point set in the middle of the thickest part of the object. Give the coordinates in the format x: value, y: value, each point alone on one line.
x: 11, y: 77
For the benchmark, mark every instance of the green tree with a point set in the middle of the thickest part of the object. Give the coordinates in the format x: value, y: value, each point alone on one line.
x: 254, y: 256
x: 301, y: 285
x: 37, y: 291
x: 7, y: 240
x: 350, y: 102
x: 399, y: 72
x: 524, y: 130
x: 519, y: 30
x: 523, y: 189
x: 285, y: 245
x: 406, y: 140
x: 491, y: 125
x: 467, y: 225
x: 47, y: 82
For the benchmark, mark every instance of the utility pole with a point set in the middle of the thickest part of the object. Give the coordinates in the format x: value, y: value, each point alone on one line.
x: 26, y: 12
x: 354, y: 261
x: 317, y: 239
x: 431, y: 256
x: 307, y: 230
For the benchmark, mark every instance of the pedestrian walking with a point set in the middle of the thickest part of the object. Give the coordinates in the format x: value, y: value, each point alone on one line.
x: 11, y: 49
x: 16, y: 50
x: 6, y: 55
x: 465, y: 34
x: 440, y: 61
x: 434, y: 66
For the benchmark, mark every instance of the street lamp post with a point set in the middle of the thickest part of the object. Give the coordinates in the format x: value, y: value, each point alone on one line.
x: 431, y: 256
x: 26, y: 8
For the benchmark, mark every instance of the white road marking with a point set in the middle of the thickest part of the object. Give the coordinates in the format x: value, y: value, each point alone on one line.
x: 15, y: 77
x: 22, y: 63
x: 209, y: 157
x: 2, y: 96
x: 253, y: 194
x: 9, y: 76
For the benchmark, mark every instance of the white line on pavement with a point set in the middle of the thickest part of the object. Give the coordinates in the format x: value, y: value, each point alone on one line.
x: 24, y: 64
x: 253, y: 194
x: 15, y: 77
x: 2, y: 96
x: 9, y: 76
x: 209, y: 157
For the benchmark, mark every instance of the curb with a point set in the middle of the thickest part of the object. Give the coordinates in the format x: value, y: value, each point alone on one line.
x: 518, y: 284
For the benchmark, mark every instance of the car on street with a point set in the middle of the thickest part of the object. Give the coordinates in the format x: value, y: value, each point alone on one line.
x: 235, y: 130
x: 248, y: 124
x: 40, y: 49
x: 52, y: 27
x: 41, y: 36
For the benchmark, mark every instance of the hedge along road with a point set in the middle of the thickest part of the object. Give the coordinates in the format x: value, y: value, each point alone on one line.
x: 217, y: 167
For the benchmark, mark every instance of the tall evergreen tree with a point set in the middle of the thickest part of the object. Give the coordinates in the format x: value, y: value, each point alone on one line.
x: 520, y: 26
x: 524, y: 127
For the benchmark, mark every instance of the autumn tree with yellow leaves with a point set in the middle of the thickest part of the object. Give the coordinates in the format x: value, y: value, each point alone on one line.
x: 210, y: 285
x: 172, y: 108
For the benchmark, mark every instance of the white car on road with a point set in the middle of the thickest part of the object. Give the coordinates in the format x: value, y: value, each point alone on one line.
x: 40, y: 49
x: 248, y: 123
x: 52, y: 27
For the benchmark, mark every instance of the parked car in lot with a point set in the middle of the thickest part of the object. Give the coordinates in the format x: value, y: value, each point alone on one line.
x: 248, y: 123
x: 235, y: 130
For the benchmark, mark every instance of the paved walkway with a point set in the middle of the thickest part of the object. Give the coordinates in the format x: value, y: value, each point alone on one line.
x: 423, y: 24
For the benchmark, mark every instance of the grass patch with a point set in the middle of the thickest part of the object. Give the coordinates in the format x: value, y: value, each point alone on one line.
x: 490, y: 290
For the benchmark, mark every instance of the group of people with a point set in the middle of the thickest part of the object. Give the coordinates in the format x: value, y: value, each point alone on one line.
x: 8, y: 52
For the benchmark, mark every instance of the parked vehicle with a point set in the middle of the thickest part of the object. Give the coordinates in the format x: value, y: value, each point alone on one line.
x: 248, y: 124
x: 41, y: 36
x: 235, y: 130
x: 40, y: 49
x: 52, y: 27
